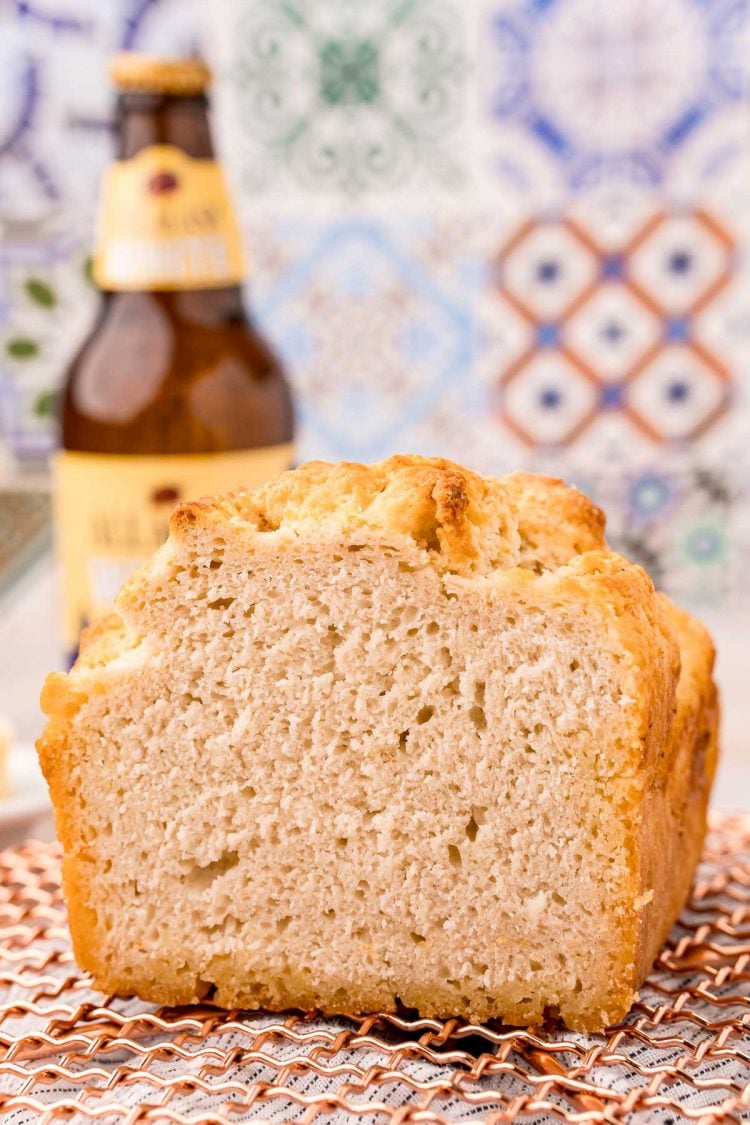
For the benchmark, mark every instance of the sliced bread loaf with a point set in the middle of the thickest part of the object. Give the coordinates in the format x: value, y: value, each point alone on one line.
x: 380, y: 733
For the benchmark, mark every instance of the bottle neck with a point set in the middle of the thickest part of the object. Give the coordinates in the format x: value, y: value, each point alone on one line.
x: 166, y: 220
x: 163, y: 119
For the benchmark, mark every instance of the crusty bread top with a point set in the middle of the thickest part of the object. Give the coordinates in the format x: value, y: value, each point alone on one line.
x: 467, y: 523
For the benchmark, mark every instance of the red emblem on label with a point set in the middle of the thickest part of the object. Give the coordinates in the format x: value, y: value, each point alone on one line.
x: 167, y: 494
x: 161, y: 183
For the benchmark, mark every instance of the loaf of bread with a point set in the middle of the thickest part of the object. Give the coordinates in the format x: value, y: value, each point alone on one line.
x: 381, y: 734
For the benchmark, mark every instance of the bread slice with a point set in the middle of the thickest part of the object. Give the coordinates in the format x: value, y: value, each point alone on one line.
x: 379, y: 734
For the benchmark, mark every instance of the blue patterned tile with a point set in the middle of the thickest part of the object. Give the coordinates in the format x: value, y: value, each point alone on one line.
x: 611, y: 90
x: 372, y: 336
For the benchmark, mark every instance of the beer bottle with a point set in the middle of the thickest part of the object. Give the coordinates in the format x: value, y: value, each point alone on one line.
x: 174, y: 394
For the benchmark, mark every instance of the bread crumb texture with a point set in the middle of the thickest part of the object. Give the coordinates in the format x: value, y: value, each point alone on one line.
x: 384, y: 733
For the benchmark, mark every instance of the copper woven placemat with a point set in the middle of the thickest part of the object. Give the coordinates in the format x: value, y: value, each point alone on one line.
x: 67, y: 1053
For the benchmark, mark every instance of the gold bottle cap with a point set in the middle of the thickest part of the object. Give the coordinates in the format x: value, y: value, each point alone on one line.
x: 158, y: 74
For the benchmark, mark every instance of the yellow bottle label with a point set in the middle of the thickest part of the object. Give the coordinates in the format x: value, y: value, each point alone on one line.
x: 112, y: 512
x: 166, y: 222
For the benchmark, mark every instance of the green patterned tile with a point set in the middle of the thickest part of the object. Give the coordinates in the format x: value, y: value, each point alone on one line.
x: 349, y: 98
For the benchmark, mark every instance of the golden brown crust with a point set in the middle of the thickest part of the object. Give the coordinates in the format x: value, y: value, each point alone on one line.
x: 555, y: 521
x: 468, y: 523
x: 61, y: 701
x: 672, y: 821
x: 104, y: 640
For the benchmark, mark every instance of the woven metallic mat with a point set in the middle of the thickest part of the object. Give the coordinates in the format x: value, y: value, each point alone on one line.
x: 67, y: 1053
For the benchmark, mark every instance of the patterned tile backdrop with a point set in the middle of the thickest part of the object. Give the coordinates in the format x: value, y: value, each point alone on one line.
x: 514, y: 232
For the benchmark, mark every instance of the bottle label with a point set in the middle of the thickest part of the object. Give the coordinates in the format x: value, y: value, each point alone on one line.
x: 112, y: 512
x: 166, y: 222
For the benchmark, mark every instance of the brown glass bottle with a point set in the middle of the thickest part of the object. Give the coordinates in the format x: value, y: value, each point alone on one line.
x: 174, y: 393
